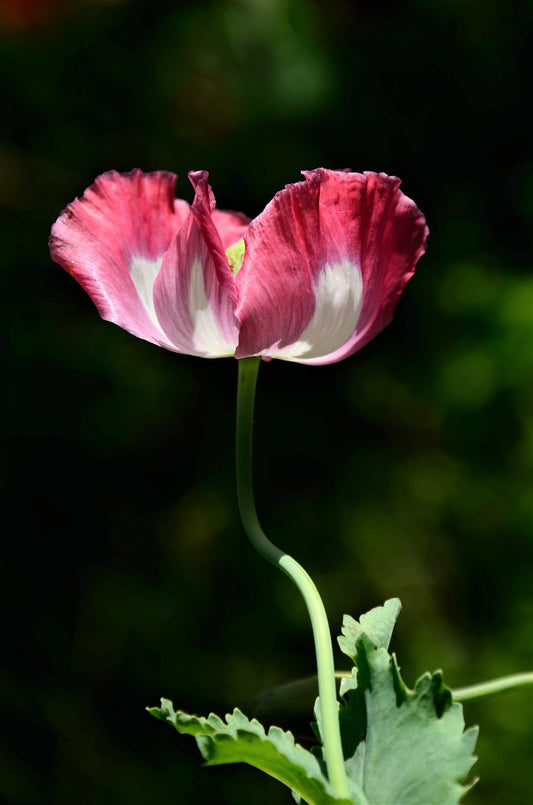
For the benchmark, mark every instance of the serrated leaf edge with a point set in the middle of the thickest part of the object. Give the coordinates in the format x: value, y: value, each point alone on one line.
x: 283, y: 741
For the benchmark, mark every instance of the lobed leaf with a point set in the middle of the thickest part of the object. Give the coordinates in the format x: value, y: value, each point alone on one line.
x: 239, y: 740
x: 402, y: 747
x: 378, y: 625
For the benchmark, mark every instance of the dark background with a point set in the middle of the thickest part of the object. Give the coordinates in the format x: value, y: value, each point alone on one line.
x: 405, y: 470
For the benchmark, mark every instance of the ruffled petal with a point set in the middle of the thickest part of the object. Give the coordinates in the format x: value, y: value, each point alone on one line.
x: 346, y: 243
x: 366, y: 220
x: 194, y: 293
x: 112, y: 240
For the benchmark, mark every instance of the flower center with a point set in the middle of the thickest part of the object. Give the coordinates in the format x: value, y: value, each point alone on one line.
x: 235, y: 255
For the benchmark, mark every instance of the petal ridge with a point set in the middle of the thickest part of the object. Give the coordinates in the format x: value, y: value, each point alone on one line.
x: 202, y: 210
x: 194, y: 292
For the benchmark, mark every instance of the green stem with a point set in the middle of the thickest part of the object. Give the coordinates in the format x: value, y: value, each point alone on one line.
x: 492, y: 687
x: 298, y: 693
x: 329, y: 707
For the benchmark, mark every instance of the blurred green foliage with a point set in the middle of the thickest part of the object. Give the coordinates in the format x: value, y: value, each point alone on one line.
x: 406, y: 470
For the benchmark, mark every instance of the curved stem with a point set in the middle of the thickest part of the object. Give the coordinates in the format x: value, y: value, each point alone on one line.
x: 493, y: 686
x: 329, y: 707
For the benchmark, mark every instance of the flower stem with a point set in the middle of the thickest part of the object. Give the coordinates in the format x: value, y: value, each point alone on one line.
x: 493, y: 686
x: 329, y: 707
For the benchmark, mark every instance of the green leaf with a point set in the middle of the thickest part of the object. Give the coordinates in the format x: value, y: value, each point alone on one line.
x: 239, y: 740
x: 403, y: 747
x: 378, y: 625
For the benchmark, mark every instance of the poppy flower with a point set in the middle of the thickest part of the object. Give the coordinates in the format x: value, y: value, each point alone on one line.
x: 312, y: 279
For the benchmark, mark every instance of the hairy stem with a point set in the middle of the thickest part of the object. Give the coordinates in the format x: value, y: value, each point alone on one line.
x: 329, y: 708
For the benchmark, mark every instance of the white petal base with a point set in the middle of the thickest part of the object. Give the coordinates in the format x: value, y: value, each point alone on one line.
x: 207, y: 338
x: 338, y: 299
x: 143, y: 273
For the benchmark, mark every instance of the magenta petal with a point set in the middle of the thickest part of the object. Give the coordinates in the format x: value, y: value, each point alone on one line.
x: 325, y: 264
x: 275, y: 283
x: 367, y: 218
x: 112, y: 240
x: 194, y: 293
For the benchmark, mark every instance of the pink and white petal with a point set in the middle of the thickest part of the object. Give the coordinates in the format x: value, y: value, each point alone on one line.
x: 338, y: 299
x: 194, y: 292
x: 112, y: 240
x: 231, y: 226
x: 369, y: 239
x: 276, y: 281
x: 366, y: 219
